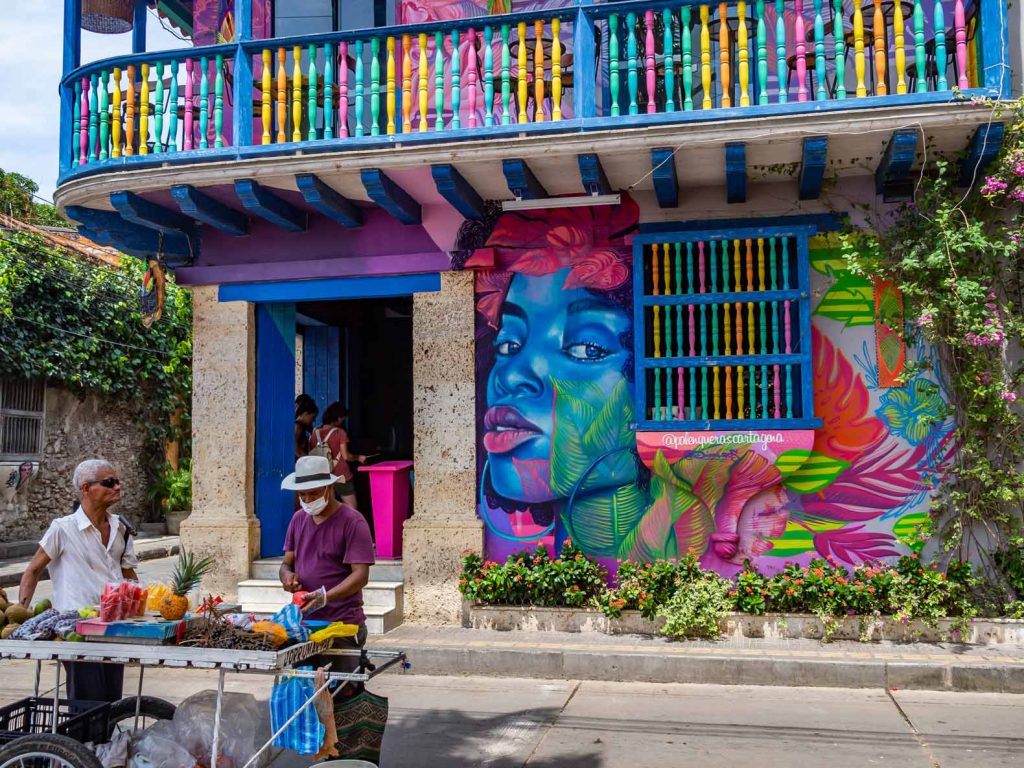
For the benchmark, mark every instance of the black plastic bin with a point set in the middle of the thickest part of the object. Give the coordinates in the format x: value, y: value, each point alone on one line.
x: 81, y: 720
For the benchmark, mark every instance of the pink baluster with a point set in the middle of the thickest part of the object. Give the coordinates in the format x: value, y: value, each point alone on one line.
x: 785, y: 309
x: 700, y: 265
x: 652, y: 102
x: 83, y: 127
x: 187, y: 138
x: 471, y: 76
x: 801, y: 53
x: 960, y: 25
x: 778, y: 395
x: 343, y: 89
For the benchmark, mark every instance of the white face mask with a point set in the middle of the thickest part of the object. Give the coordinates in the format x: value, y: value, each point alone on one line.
x: 314, y: 507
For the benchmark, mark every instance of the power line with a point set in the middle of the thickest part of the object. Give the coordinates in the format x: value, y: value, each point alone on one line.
x: 93, y: 338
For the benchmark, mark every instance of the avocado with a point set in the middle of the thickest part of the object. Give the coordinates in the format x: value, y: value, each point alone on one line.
x: 42, y: 605
x: 17, y: 615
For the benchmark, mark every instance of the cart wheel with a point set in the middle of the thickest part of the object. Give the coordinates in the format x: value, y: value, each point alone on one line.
x: 47, y: 750
x: 122, y: 713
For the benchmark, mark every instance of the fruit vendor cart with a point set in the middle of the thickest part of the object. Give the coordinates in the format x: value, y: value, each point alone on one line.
x: 51, y: 732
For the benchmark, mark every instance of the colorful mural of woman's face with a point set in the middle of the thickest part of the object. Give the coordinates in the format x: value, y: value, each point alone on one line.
x: 552, y: 343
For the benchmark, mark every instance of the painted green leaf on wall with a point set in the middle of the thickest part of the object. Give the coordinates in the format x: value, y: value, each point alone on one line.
x: 850, y: 300
x: 907, y: 527
x: 827, y: 259
x: 655, y: 536
x: 790, y: 461
x: 816, y: 473
x: 799, y: 537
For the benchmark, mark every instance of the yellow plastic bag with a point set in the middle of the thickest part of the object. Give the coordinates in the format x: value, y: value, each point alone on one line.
x: 331, y: 631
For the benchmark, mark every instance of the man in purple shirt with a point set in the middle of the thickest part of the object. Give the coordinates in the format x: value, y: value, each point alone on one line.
x: 328, y: 546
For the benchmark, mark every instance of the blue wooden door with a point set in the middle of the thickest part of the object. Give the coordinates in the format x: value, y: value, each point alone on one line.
x: 275, y: 422
x: 320, y: 369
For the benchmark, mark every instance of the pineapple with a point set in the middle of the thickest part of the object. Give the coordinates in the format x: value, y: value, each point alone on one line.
x: 187, y: 574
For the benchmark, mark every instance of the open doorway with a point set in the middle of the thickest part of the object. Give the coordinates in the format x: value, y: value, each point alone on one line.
x: 359, y: 352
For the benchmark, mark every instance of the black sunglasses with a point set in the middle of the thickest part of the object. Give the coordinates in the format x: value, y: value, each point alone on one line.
x: 108, y: 482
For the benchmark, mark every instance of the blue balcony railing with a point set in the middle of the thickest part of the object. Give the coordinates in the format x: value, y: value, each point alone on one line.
x: 580, y: 68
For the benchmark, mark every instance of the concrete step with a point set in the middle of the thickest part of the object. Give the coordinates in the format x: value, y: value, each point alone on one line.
x: 382, y: 570
x: 387, y: 594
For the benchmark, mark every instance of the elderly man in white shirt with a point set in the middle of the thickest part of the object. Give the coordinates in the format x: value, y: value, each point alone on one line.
x: 84, y: 551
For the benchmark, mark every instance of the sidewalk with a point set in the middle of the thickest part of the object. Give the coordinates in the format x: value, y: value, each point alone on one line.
x: 146, y: 547
x: 620, y: 658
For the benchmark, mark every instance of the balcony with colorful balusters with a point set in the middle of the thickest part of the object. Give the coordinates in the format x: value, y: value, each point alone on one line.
x: 639, y: 95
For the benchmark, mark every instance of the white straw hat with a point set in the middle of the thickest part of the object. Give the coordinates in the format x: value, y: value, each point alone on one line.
x: 310, y: 472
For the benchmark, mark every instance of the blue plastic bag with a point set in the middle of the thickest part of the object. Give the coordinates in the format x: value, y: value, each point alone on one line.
x: 306, y: 733
x: 290, y: 617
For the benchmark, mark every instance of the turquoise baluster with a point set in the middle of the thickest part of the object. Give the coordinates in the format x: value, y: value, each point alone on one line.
x: 703, y: 330
x: 670, y: 62
x: 488, y: 77
x: 668, y: 393
x: 772, y: 269
x: 789, y: 391
x: 711, y: 269
x: 375, y: 86
x: 940, y: 47
x: 456, y: 80
x: 104, y: 115
x: 919, y: 54
x: 656, y: 414
x: 204, y: 97
x: 751, y: 391
x: 439, y: 81
x: 218, y: 104
x: 328, y: 90
x: 819, y: 52
x: 360, y: 130
x: 725, y: 268
x: 506, y: 77
x: 613, y: 62
x: 94, y: 117
x: 687, y: 46
x: 704, y: 393
x: 785, y: 263
x: 311, y: 77
x: 633, y: 72
x: 158, y: 109
x: 77, y: 122
x: 839, y: 48
x: 780, y: 49
x: 172, y: 128
x: 762, y: 55
x: 764, y: 392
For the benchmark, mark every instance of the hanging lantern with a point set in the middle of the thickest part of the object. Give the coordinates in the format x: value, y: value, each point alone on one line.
x: 107, y: 17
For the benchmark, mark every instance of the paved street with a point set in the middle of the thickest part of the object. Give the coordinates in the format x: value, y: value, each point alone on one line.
x: 463, y: 722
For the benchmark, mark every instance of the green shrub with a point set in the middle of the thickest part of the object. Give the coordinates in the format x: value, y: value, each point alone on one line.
x: 697, y: 608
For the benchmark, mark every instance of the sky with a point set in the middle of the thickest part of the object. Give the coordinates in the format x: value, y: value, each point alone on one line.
x: 30, y: 71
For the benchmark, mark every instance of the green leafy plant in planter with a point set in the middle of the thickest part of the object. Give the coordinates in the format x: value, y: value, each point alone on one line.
x: 173, y: 487
x: 697, y: 608
x: 645, y: 587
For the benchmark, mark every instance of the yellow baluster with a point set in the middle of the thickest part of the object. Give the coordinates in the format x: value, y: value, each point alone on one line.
x: 741, y: 42
x: 655, y: 271
x: 739, y: 328
x: 726, y: 321
x: 657, y: 331
x: 521, y: 73
x: 972, y: 53
x: 705, y: 57
x: 760, y: 263
x: 297, y: 93
x: 282, y: 97
x: 391, y: 102
x: 714, y: 392
x: 736, y: 260
x: 129, y: 114
x: 556, y: 71
x: 881, y: 54
x: 723, y: 49
x: 406, y: 83
x: 750, y: 327
x: 538, y: 72
x: 901, y: 53
x: 858, y: 47
x: 265, y: 83
x: 115, y: 121
x: 422, y: 72
x: 728, y: 391
x: 740, y: 370
x: 750, y: 264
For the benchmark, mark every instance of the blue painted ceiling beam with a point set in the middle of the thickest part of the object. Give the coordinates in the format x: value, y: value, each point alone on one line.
x: 595, y: 181
x: 454, y: 188
x: 324, y: 199
x: 140, y: 211
x: 260, y: 201
x: 663, y: 174
x: 108, y: 228
x: 892, y: 175
x: 812, y: 166
x: 201, y: 207
x: 389, y: 196
x: 521, y: 181
x: 736, y: 172
x: 982, y: 150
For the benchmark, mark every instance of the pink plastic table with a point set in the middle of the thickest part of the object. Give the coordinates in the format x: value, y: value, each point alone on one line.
x: 389, y: 496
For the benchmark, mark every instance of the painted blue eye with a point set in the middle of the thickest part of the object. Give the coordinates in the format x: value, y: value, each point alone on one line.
x: 507, y: 348
x: 586, y: 352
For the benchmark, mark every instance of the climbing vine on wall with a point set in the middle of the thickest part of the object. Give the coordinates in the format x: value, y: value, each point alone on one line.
x: 79, y: 324
x: 955, y: 255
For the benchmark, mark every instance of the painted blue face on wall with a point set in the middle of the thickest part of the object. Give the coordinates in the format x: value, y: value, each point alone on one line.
x: 560, y: 359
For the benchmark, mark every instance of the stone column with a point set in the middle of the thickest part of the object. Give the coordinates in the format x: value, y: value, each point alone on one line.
x: 222, y: 524
x: 444, y: 522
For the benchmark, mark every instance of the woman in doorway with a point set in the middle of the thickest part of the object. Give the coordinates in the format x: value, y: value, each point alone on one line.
x: 305, y: 414
x: 332, y: 436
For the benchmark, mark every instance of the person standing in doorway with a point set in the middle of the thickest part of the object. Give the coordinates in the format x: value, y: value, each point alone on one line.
x: 305, y: 416
x: 331, y: 441
x: 84, y: 551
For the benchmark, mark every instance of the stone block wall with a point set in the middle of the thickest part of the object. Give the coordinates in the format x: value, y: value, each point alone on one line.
x: 78, y: 428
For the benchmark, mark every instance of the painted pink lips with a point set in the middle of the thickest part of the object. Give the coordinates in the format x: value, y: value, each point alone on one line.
x: 507, y: 429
